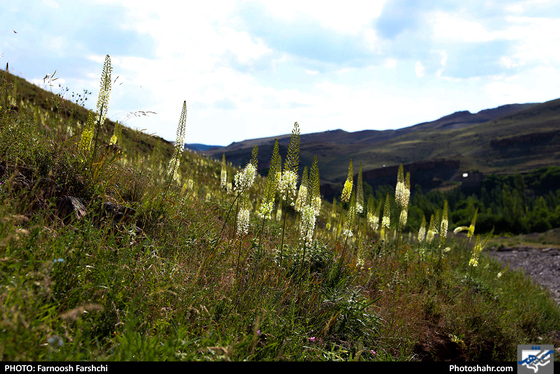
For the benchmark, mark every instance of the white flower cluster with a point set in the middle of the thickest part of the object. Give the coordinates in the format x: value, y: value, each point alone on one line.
x: 307, y: 224
x: 473, y: 261
x: 243, y: 221
x: 359, y: 208
x: 444, y: 227
x: 223, y: 178
x: 430, y: 234
x: 403, y: 217
x: 402, y: 195
x: 348, y: 233
x: 316, y: 204
x: 422, y: 233
x: 244, y: 179
x: 373, y: 220
x: 288, y: 186
x: 386, y: 222
x: 104, y: 92
x: 265, y: 211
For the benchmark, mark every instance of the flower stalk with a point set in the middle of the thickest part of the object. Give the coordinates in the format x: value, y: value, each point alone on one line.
x: 348, y: 184
x: 288, y: 183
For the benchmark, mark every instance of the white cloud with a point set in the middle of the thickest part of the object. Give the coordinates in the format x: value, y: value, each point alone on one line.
x: 243, y: 79
x: 51, y: 3
x: 520, y: 7
x: 507, y: 62
x: 537, y: 38
x: 390, y: 63
x: 350, y: 17
x: 444, y: 56
x: 531, y: 86
x: 443, y: 62
x: 243, y: 46
x: 453, y: 27
x: 419, y: 69
x: 194, y: 47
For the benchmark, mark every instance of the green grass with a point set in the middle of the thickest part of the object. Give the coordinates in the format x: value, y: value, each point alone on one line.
x: 175, y: 282
x: 548, y: 239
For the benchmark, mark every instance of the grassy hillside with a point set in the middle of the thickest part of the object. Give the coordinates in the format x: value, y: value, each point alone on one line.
x: 116, y: 245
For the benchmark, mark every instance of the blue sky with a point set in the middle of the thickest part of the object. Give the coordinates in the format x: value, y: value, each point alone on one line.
x: 250, y: 69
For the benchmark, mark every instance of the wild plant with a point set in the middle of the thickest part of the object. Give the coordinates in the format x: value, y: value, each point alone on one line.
x: 350, y: 217
x: 315, y: 188
x: 255, y: 157
x: 156, y: 159
x: 421, y: 239
x: 278, y: 216
x: 307, y: 228
x: 288, y: 183
x: 348, y: 225
x: 243, y: 181
x: 479, y: 245
x: 96, y: 121
x: 469, y: 229
x: 432, y: 230
x: 443, y: 226
x: 243, y: 216
x: 331, y: 216
x: 477, y: 249
x: 386, y: 220
x: 360, y: 192
x: 272, y: 181
x: 472, y: 225
x: 402, y: 195
x: 311, y: 207
x: 179, y: 146
x: 116, y: 138
x: 245, y: 178
x: 302, y: 192
x: 373, y: 212
x: 223, y: 173
x: 10, y: 99
x: 4, y: 88
x: 348, y: 184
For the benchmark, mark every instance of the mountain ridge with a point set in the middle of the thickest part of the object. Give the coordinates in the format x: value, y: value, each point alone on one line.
x: 496, y: 140
x: 349, y: 137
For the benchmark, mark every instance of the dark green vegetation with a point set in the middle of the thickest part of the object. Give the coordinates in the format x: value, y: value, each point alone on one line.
x: 513, y: 204
x: 105, y: 259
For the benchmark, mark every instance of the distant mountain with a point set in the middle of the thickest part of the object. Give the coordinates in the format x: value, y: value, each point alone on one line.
x: 509, y: 138
x: 201, y: 147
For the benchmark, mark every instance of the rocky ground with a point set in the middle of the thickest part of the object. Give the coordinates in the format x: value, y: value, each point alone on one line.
x: 541, y: 264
